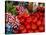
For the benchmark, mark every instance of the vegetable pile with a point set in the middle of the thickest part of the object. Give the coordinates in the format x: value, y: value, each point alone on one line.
x: 25, y: 22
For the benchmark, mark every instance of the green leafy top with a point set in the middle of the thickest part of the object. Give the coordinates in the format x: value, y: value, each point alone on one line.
x: 11, y: 8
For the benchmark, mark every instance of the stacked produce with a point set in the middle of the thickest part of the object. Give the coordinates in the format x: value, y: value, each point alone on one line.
x: 33, y: 22
x: 25, y: 22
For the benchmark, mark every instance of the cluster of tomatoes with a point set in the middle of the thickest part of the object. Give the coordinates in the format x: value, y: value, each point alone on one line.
x: 33, y: 22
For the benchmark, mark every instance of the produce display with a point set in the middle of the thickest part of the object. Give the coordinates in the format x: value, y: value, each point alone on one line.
x: 20, y: 17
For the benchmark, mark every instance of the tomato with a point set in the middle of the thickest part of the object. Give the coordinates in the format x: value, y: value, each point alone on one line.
x: 39, y: 23
x: 24, y: 31
x: 34, y: 26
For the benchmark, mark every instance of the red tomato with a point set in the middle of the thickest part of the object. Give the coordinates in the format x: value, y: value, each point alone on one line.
x: 41, y: 28
x: 24, y: 31
x: 34, y: 26
x: 28, y: 26
x: 21, y: 27
x: 39, y: 23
